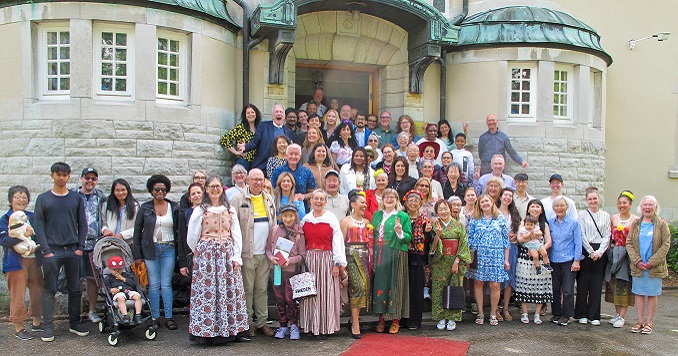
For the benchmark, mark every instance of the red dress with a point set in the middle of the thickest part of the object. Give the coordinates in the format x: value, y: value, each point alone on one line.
x: 372, y: 205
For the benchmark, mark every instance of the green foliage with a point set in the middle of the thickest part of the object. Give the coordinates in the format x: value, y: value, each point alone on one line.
x: 672, y: 257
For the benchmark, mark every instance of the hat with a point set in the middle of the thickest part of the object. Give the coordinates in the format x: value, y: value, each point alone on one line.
x: 430, y: 124
x: 370, y: 152
x: 423, y: 145
x: 331, y: 171
x: 116, y: 262
x: 288, y: 207
x: 89, y: 170
x: 556, y: 176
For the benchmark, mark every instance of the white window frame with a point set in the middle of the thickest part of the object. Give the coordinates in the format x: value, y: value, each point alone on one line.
x: 43, y: 76
x: 97, y: 31
x: 531, y: 116
x: 184, y: 57
x: 568, y: 93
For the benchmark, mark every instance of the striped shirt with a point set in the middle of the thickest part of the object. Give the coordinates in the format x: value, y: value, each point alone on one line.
x: 592, y: 235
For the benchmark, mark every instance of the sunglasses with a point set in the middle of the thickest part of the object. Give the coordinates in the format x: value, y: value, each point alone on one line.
x: 93, y: 179
x: 160, y: 190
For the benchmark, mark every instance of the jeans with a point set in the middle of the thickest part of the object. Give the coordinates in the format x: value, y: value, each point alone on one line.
x: 243, y: 162
x: 160, y: 272
x: 563, y: 282
x: 63, y: 257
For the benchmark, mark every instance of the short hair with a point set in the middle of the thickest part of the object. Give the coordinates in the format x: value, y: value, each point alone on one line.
x: 403, y: 134
x: 461, y: 134
x: 654, y: 201
x: 17, y: 189
x: 531, y: 219
x: 454, y: 198
x: 391, y: 191
x: 495, y: 180
x: 559, y: 198
x: 290, y: 110
x: 319, y: 192
x: 158, y: 178
x: 193, y: 185
x: 442, y: 202
x: 498, y: 156
x: 521, y: 177
x: 238, y: 168
x: 278, y: 138
x: 61, y: 167
x: 199, y: 171
x: 291, y: 147
x: 590, y: 190
x: 455, y: 165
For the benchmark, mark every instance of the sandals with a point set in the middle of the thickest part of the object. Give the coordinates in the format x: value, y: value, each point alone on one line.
x: 380, y: 327
x: 171, y: 324
x: 537, y: 318
x: 499, y: 317
x: 507, y: 316
x: 638, y: 327
x: 524, y: 318
x: 647, y: 329
x: 480, y: 319
x: 493, y: 320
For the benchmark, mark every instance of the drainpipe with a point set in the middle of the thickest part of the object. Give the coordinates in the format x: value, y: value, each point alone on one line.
x: 443, y: 85
x: 459, y: 18
x: 245, y: 50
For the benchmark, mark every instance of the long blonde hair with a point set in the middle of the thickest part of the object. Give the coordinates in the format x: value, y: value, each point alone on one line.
x: 308, y: 145
x: 278, y: 193
x: 478, y: 213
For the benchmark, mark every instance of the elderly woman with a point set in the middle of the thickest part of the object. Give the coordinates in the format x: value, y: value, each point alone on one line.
x: 121, y: 211
x: 493, y: 187
x: 448, y: 265
x: 417, y: 255
x: 456, y: 210
x: 507, y: 209
x: 325, y: 257
x: 617, y: 273
x: 357, y: 174
x: 373, y: 141
x: 532, y: 287
x: 423, y: 186
x: 399, y: 178
x: 402, y: 141
x: 319, y: 163
x: 239, y: 180
x: 218, y: 312
x: 250, y: 117
x: 21, y: 271
x: 392, y: 233
x: 648, y: 244
x: 453, y: 186
x: 488, y: 236
x: 155, y: 229
x: 595, y: 230
x: 358, y: 241
x: 565, y: 255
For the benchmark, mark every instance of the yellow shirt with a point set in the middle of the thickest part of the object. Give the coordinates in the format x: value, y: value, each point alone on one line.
x: 259, y: 206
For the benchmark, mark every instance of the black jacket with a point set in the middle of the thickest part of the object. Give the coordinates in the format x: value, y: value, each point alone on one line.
x: 144, y: 225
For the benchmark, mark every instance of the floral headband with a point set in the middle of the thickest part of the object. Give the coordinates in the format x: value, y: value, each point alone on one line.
x: 413, y: 192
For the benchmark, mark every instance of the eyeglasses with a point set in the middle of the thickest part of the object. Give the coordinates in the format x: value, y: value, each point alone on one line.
x: 256, y: 179
x: 93, y: 179
x: 199, y: 178
x: 372, y: 140
x: 423, y: 185
x: 384, y: 117
x: 20, y: 197
x: 239, y: 172
x: 214, y: 187
x: 388, y: 197
x: 159, y: 190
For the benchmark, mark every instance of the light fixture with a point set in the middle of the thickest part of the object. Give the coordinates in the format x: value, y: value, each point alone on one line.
x: 661, y: 36
x: 317, y: 78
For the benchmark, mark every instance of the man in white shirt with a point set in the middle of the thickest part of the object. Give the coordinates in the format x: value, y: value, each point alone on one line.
x: 318, y: 95
x: 337, y: 203
x: 521, y: 198
x: 556, y: 184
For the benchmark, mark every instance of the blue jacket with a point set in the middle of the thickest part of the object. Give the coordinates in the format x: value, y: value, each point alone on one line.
x: 368, y: 132
x: 11, y: 260
x: 263, y: 143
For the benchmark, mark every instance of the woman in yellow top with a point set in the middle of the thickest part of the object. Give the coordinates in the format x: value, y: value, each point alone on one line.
x: 250, y: 117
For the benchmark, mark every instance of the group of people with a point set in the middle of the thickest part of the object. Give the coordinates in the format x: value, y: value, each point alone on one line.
x: 388, y: 229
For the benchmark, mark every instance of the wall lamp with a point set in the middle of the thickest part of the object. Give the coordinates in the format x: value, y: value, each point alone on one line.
x: 661, y: 36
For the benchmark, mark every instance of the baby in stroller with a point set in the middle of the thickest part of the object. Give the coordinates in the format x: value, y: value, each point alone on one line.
x: 122, y: 287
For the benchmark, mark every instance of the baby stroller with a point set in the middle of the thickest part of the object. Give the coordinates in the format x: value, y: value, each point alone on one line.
x: 106, y: 248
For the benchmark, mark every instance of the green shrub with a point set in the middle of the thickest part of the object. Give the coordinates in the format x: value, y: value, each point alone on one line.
x: 672, y: 257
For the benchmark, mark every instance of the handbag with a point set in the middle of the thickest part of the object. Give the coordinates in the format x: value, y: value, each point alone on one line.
x: 454, y: 297
x: 450, y: 247
x: 303, y: 285
x: 139, y: 270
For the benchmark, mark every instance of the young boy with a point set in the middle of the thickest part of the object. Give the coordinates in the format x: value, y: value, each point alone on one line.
x: 60, y: 230
x: 535, y: 244
x: 465, y: 159
x: 290, y: 229
x: 123, y: 287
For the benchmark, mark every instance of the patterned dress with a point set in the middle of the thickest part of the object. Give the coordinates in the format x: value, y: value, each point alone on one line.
x: 530, y: 286
x: 390, y: 295
x: 359, y: 245
x: 239, y: 134
x: 217, y: 306
x: 618, y: 291
x: 441, y: 269
x: 489, y: 238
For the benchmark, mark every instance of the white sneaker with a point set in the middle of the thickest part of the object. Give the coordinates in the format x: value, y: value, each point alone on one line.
x: 441, y: 325
x: 93, y: 317
x: 427, y: 294
x: 451, y: 325
x: 595, y: 322
x: 583, y: 321
x: 613, y: 319
x: 619, y: 323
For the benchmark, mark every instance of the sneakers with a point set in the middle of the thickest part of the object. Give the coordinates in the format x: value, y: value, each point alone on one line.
x: 441, y: 325
x: 547, y: 266
x: 282, y: 332
x: 79, y: 329
x: 93, y: 317
x: 126, y: 319
x: 537, y: 318
x: 23, y: 335
x: 47, y: 335
x: 294, y: 332
x: 37, y: 328
x: 619, y: 323
x: 137, y: 319
x: 427, y: 293
x: 538, y: 270
x: 613, y: 319
x: 595, y: 322
x: 583, y: 321
x: 451, y: 325
x: 564, y: 321
x: 554, y: 319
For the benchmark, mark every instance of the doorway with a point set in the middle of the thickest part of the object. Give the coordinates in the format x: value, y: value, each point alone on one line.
x: 354, y: 86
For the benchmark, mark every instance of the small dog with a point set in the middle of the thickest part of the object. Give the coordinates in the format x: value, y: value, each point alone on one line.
x: 18, y: 222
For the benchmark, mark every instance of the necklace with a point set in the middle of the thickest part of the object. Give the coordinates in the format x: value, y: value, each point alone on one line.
x: 357, y: 223
x: 624, y: 222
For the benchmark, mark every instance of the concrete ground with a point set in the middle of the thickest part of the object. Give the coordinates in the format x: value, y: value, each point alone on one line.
x: 506, y: 338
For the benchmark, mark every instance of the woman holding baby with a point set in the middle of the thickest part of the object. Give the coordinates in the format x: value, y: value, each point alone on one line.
x: 21, y: 269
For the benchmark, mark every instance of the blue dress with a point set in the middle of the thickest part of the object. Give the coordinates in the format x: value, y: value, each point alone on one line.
x: 646, y: 285
x: 489, y: 238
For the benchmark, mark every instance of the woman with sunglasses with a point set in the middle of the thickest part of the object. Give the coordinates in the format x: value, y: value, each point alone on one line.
x: 155, y: 229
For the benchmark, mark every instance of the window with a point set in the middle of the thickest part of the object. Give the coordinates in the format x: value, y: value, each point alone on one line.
x: 171, y: 67
x: 55, y: 62
x: 562, y: 96
x: 522, y: 94
x: 114, y: 62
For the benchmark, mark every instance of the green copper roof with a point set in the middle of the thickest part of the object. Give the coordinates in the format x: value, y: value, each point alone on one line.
x: 213, y: 8
x: 521, y: 25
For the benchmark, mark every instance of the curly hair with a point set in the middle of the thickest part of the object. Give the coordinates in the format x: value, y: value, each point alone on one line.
x: 158, y: 178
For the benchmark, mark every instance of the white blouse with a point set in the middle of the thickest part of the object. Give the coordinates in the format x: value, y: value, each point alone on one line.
x: 338, y: 249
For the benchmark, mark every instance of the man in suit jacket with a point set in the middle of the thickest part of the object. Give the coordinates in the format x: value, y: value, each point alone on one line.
x: 362, y: 133
x: 265, y: 135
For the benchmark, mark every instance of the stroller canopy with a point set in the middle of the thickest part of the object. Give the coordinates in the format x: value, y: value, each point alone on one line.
x: 111, y: 246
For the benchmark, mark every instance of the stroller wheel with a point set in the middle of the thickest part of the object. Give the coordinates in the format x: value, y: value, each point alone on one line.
x: 102, y: 326
x: 151, y: 334
x: 113, y: 339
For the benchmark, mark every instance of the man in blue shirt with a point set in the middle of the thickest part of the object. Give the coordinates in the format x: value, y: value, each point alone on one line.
x: 494, y: 142
x: 498, y: 166
x: 361, y: 130
x: 566, y: 251
x: 303, y: 177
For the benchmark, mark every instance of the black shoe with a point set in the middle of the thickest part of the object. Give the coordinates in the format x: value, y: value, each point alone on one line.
x: 79, y: 329
x: 137, y: 319
x: 23, y: 335
x: 171, y: 324
x: 242, y: 338
x: 548, y: 266
x: 357, y: 336
x: 37, y: 328
x: 538, y: 270
x: 554, y: 319
x: 413, y: 327
x: 47, y: 335
x: 564, y: 321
